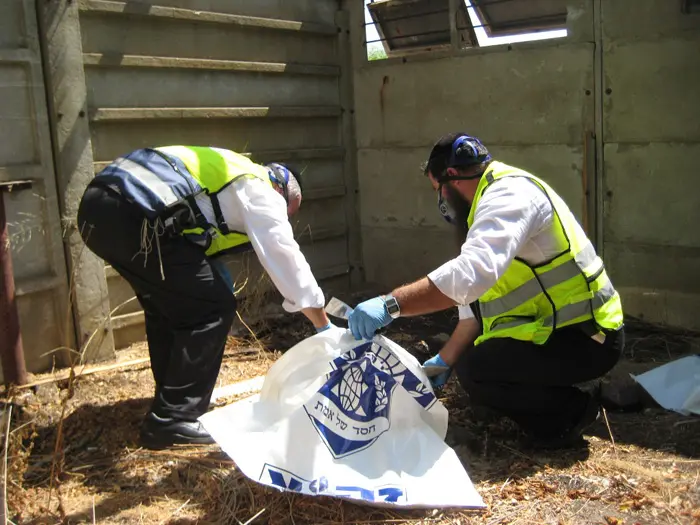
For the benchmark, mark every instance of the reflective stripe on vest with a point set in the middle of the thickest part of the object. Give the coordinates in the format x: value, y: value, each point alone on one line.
x: 569, y: 312
x: 153, y: 182
x: 149, y: 179
x: 178, y: 178
x: 532, y: 288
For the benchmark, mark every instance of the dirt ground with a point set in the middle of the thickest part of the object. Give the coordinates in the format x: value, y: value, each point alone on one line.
x: 73, y: 455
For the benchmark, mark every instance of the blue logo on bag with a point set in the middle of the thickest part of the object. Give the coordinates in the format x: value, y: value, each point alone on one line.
x: 351, y: 410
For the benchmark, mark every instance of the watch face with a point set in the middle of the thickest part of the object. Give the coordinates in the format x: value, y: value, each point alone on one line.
x: 392, y: 306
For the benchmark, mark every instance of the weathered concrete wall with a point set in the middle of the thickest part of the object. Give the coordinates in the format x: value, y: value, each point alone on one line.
x: 207, y: 73
x: 532, y: 105
x: 652, y: 152
x: 67, y: 97
x: 617, y: 133
x: 271, y: 78
x: 33, y: 215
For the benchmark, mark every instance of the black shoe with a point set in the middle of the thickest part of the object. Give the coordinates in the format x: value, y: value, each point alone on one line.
x: 573, y: 437
x: 590, y: 415
x: 158, y: 432
x: 484, y: 415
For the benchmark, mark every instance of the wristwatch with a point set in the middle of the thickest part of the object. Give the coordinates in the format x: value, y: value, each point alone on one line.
x: 392, y: 306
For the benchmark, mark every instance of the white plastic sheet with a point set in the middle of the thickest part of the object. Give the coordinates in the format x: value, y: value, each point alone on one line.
x: 675, y: 385
x: 357, y: 420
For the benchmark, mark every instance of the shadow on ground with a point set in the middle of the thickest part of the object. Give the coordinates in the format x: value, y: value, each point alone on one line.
x: 101, y: 450
x: 101, y: 456
x: 634, y: 418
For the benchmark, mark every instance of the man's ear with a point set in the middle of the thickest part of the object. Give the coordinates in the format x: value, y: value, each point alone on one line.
x: 451, y: 172
x: 293, y: 206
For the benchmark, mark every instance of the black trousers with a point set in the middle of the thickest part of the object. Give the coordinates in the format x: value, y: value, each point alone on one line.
x: 534, y: 384
x: 188, y: 314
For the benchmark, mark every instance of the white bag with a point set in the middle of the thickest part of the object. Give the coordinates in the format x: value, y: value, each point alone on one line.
x: 675, y: 385
x: 356, y: 420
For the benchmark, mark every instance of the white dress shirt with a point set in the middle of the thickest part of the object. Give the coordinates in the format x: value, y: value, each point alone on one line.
x: 252, y: 207
x: 513, y: 218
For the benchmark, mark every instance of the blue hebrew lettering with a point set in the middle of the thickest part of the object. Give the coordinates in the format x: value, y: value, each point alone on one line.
x: 351, y: 410
x: 285, y: 480
x: 319, y: 486
x: 282, y: 479
x: 356, y: 493
x: 391, y: 494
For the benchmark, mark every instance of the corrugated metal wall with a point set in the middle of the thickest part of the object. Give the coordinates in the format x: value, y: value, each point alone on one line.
x: 255, y: 76
x: 33, y: 215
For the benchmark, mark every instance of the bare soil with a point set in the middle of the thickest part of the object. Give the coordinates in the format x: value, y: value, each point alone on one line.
x: 73, y: 453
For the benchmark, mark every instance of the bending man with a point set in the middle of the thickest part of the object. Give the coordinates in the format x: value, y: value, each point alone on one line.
x: 160, y: 217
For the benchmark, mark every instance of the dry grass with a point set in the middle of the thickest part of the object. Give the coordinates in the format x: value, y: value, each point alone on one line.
x: 73, y: 457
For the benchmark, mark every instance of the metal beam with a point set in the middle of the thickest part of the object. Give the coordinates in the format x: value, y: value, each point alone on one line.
x: 11, y: 351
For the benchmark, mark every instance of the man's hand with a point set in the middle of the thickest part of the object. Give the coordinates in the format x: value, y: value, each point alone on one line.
x: 440, y: 379
x: 464, y: 335
x: 318, y: 318
x: 367, y: 318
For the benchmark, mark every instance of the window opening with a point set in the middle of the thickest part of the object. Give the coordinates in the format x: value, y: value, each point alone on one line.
x: 402, y: 27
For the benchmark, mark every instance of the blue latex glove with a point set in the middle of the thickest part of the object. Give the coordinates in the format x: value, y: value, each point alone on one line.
x: 221, y: 269
x: 367, y: 318
x: 324, y: 328
x: 440, y: 379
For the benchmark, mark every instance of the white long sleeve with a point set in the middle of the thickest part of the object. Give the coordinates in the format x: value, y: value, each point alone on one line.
x: 254, y: 208
x: 513, y: 218
x: 465, y: 312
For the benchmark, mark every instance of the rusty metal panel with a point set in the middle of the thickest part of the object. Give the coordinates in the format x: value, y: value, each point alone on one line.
x: 257, y: 76
x: 33, y: 216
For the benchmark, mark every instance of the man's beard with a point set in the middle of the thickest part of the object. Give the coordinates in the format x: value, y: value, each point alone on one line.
x: 461, y: 208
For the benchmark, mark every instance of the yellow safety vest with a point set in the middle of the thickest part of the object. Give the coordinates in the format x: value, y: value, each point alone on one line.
x: 529, y: 302
x: 214, y: 169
